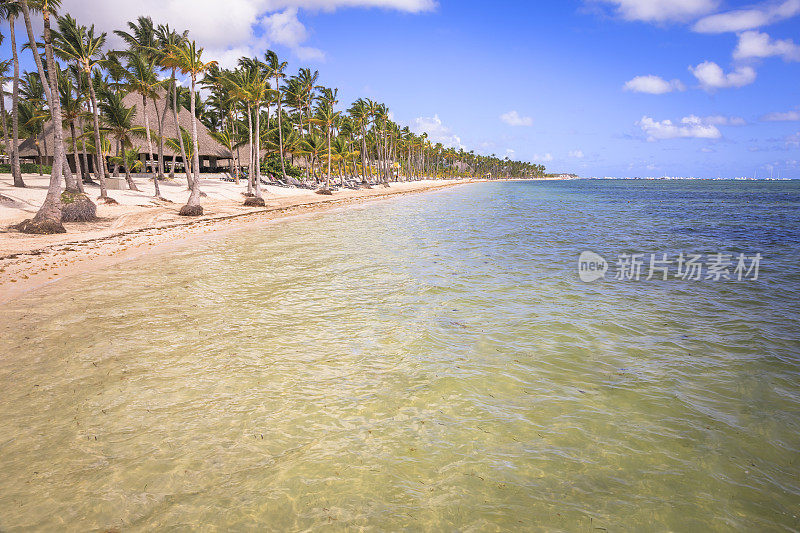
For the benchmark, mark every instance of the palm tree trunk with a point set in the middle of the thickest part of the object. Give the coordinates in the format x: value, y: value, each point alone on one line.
x: 129, y: 178
x: 48, y: 218
x: 250, y: 146
x: 16, y: 172
x: 280, y: 128
x: 194, y: 197
x: 156, y: 191
x: 6, y: 144
x: 257, y: 177
x: 58, y: 132
x: 178, y: 130
x: 100, y: 171
x: 78, y: 170
x: 160, y: 122
x: 328, y: 178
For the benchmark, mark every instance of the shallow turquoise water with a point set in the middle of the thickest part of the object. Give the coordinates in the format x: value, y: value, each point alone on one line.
x: 431, y: 362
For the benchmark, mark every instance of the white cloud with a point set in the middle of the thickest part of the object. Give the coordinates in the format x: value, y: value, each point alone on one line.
x: 225, y: 27
x: 711, y: 76
x: 757, y: 45
x: 437, y: 131
x: 545, y: 158
x: 788, y: 116
x: 576, y: 154
x: 284, y: 28
x: 653, y: 85
x: 793, y: 140
x: 720, y: 120
x: 662, y: 10
x: 747, y: 19
x: 691, y: 127
x: 512, y: 118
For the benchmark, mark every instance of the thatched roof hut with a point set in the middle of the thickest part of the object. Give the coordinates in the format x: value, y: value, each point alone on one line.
x: 210, y: 150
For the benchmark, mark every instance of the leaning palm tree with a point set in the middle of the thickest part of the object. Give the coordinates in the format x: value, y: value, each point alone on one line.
x: 10, y: 11
x: 188, y: 59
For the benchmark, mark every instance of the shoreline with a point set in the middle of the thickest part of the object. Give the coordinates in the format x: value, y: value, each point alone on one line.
x: 28, y: 263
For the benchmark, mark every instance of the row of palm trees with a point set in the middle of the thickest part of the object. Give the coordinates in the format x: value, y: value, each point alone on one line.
x: 255, y: 110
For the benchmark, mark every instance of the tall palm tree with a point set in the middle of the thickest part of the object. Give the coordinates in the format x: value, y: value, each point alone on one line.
x: 48, y: 217
x: 277, y: 68
x: 188, y: 59
x: 167, y: 38
x: 81, y: 45
x: 141, y: 78
x: 10, y: 11
x: 326, y: 117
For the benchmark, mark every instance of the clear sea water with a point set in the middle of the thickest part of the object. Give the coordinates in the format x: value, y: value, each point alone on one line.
x: 431, y: 362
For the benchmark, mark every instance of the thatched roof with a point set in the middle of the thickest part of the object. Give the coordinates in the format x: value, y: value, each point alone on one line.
x: 208, y: 146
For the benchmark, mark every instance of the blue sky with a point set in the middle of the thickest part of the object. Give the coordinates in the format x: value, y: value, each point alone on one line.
x: 597, y: 87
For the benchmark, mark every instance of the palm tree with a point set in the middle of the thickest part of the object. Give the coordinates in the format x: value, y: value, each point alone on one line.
x: 72, y: 108
x: 4, y: 66
x: 118, y: 123
x: 188, y: 59
x: 32, y: 117
x: 81, y: 45
x: 230, y: 143
x: 326, y: 116
x: 141, y: 78
x: 312, y: 147
x: 277, y: 68
x: 168, y: 38
x: 10, y: 11
x: 48, y: 218
x: 129, y: 159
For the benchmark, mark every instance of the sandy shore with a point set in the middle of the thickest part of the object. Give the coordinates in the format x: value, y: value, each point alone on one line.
x: 138, y: 224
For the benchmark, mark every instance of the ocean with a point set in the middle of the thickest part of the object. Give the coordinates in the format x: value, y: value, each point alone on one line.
x: 556, y: 356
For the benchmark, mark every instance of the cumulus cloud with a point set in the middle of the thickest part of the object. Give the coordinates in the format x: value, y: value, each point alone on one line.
x: 757, y: 45
x: 793, y: 140
x: 437, y: 131
x: 237, y: 28
x: 691, y: 127
x: 711, y: 76
x: 285, y: 28
x: 544, y: 158
x: 748, y: 19
x: 788, y: 116
x: 662, y: 10
x: 653, y: 85
x: 512, y: 118
x: 576, y: 154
